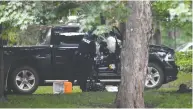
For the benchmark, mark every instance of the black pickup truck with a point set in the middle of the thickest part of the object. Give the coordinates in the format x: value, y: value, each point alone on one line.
x: 27, y: 67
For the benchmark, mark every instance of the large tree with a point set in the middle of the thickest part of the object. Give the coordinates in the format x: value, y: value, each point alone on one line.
x: 134, y: 55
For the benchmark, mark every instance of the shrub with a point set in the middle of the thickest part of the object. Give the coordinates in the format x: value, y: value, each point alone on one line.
x: 184, y: 60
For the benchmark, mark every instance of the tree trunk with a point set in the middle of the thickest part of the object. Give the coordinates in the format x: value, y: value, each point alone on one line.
x: 2, y: 85
x: 156, y: 39
x: 175, y: 35
x: 134, y: 55
x: 122, y: 28
x: 103, y: 20
x: 172, y: 36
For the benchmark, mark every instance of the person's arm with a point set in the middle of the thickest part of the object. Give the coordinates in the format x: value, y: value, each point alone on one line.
x: 93, y: 49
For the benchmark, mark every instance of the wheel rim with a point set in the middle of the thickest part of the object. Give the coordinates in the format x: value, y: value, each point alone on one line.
x: 152, y: 77
x: 25, y: 80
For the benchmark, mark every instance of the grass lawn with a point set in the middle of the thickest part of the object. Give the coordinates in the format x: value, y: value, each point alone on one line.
x: 43, y: 98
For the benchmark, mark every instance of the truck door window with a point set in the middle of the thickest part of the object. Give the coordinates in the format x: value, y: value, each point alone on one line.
x: 67, y: 35
x: 46, y: 40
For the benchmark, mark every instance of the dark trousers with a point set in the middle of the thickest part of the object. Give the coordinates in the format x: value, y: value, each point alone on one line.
x: 82, y: 69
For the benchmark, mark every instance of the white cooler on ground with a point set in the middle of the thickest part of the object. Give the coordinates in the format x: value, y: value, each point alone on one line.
x: 58, y: 87
x: 111, y: 88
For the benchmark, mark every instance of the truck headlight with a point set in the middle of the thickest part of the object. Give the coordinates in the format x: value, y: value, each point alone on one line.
x: 161, y: 54
x: 169, y: 57
x: 112, y: 66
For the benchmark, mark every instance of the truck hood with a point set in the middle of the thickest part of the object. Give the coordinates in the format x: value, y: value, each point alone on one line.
x: 160, y: 48
x: 152, y: 48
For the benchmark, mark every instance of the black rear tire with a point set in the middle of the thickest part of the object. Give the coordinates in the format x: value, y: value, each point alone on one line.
x: 14, y: 85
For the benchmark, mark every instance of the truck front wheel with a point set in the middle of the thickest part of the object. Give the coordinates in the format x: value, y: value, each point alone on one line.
x: 154, y: 77
x: 24, y: 80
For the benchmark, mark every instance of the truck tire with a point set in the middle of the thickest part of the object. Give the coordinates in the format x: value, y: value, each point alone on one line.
x: 155, y: 76
x: 24, y: 80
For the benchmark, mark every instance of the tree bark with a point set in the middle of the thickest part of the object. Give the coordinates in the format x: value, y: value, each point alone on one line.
x: 122, y: 28
x: 134, y: 55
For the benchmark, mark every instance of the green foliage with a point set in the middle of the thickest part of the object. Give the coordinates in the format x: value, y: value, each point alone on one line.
x: 12, y: 33
x: 184, y: 60
x: 183, y: 78
x: 160, y: 9
x: 183, y: 11
x: 17, y: 14
x: 173, y: 15
x: 184, y: 35
x: 49, y: 12
x: 21, y: 14
x: 113, y: 11
x: 30, y: 36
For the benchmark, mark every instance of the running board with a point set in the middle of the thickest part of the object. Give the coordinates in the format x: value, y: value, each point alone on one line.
x: 107, y: 74
x: 101, y: 80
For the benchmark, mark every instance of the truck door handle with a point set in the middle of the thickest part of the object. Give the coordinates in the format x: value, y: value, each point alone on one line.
x: 58, y: 56
x: 42, y: 57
